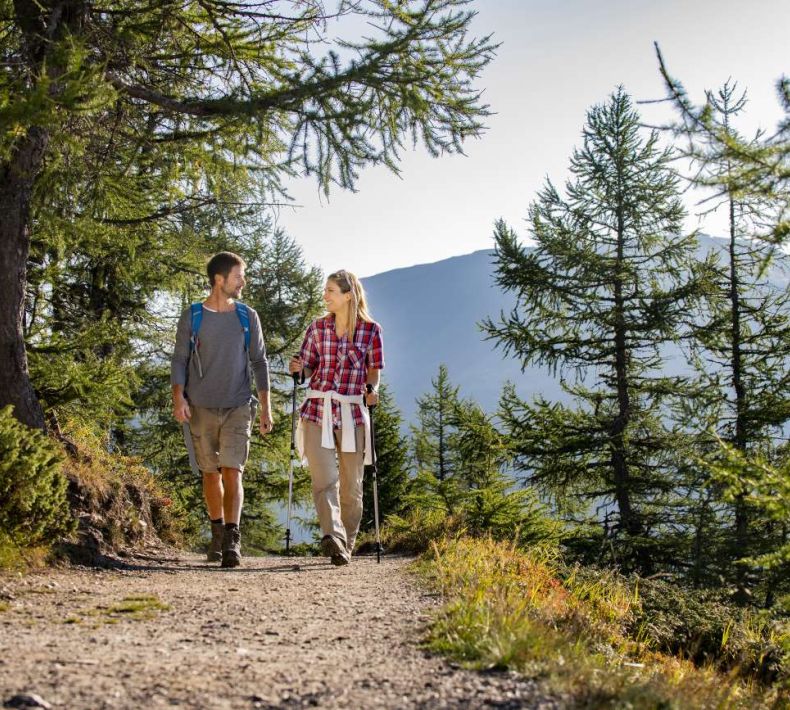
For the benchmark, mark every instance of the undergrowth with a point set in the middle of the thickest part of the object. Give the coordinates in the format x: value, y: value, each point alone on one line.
x: 594, y: 637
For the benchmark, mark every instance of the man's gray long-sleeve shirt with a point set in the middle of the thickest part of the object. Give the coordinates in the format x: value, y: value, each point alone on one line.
x: 225, y: 380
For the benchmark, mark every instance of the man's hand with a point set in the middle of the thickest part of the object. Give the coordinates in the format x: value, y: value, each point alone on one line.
x: 267, y: 424
x: 181, y: 410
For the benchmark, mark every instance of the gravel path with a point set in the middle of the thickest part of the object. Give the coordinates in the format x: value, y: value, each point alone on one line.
x: 276, y: 633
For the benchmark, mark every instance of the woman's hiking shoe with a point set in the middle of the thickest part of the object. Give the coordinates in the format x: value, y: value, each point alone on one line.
x: 214, y: 553
x: 334, y: 550
x: 231, y: 548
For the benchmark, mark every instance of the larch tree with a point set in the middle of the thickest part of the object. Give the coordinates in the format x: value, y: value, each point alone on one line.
x: 610, y: 281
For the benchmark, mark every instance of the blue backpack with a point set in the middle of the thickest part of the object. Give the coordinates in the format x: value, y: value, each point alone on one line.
x: 196, y: 310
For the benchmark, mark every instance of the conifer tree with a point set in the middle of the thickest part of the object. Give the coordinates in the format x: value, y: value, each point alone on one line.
x: 392, y: 454
x: 433, y: 439
x: 744, y: 338
x: 610, y: 281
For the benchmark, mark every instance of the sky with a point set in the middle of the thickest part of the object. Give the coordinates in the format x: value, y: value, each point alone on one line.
x: 557, y: 59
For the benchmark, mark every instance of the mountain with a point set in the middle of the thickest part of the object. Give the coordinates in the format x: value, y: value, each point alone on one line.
x: 430, y: 314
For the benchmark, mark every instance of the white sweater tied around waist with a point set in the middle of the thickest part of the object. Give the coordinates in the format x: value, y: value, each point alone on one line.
x: 348, y: 441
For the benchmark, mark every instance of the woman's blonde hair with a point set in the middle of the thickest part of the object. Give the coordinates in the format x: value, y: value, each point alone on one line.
x: 357, y: 306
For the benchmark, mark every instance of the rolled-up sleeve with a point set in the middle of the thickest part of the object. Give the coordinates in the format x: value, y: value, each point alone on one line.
x: 258, y: 360
x: 180, y: 359
x: 309, y: 351
x: 375, y: 354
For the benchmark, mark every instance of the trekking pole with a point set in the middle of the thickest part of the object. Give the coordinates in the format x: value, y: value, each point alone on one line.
x: 374, y: 469
x: 295, y: 376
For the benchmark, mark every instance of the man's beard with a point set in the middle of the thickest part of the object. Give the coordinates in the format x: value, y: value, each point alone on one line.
x: 231, y: 294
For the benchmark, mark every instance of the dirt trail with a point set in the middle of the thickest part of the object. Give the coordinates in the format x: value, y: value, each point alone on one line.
x: 275, y: 633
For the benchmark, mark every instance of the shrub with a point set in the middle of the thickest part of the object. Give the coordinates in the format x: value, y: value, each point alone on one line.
x: 33, y: 503
x: 703, y: 627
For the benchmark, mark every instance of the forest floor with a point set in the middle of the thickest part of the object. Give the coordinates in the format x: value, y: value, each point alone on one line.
x: 165, y: 630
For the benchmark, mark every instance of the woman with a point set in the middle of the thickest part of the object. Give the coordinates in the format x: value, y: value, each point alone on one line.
x: 342, y: 354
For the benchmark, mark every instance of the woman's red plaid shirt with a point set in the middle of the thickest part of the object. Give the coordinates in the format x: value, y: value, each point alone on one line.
x: 339, y: 365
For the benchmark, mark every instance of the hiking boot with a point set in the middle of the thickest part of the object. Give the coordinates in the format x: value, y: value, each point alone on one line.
x: 231, y: 548
x: 334, y: 550
x: 214, y: 553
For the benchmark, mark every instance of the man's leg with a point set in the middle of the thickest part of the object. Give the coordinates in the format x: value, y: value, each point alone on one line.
x: 233, y: 451
x: 212, y: 492
x: 234, y: 495
x: 204, y: 439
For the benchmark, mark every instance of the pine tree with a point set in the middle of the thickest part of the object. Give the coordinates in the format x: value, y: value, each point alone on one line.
x: 744, y: 341
x: 392, y: 454
x: 758, y: 167
x: 491, y: 503
x: 609, y: 282
x: 436, y: 485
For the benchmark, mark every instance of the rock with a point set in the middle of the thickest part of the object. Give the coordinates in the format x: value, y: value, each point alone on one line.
x: 26, y: 700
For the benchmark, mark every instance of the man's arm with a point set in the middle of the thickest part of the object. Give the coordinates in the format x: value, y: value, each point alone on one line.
x: 178, y: 368
x: 260, y: 369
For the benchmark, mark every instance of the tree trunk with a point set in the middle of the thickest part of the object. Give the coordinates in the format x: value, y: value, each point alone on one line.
x: 17, y: 177
x: 742, y: 594
x: 629, y: 517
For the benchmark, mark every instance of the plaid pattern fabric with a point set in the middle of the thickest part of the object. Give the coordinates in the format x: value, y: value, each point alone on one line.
x: 339, y: 365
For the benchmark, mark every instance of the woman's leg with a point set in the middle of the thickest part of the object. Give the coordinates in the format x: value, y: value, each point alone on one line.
x: 324, y: 475
x: 352, y: 472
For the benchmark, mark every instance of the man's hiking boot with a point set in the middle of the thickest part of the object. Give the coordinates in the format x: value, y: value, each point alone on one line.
x: 231, y: 548
x: 215, y: 546
x: 334, y: 550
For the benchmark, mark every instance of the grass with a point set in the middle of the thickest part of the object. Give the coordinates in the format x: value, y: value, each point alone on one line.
x: 512, y: 609
x: 142, y: 607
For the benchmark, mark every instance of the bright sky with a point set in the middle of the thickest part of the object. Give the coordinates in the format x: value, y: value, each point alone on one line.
x: 558, y: 58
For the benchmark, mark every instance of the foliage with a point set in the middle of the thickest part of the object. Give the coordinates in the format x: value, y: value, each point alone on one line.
x: 392, y: 462
x: 703, y: 626
x: 765, y: 486
x: 115, y: 498
x: 741, y: 346
x: 33, y: 504
x: 433, y: 435
x: 756, y: 169
x: 581, y: 632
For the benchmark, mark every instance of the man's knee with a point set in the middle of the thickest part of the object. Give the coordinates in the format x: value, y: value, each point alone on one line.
x: 231, y: 475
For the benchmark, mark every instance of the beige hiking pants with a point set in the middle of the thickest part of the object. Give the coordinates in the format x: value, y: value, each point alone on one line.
x: 337, y: 493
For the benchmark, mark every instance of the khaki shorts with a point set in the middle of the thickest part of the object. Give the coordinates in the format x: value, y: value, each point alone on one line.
x: 221, y: 437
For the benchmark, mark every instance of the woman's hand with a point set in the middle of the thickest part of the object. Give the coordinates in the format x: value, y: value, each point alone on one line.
x: 295, y: 365
x: 372, y: 398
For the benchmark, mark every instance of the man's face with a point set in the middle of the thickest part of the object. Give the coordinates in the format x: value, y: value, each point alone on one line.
x: 232, y: 285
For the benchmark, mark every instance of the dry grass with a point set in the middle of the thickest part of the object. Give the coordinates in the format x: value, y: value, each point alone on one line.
x: 510, y: 609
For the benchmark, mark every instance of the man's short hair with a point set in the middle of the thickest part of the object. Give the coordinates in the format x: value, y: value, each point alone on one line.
x: 222, y: 264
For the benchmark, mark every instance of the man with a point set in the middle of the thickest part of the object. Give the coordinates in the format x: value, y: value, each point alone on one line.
x: 212, y: 391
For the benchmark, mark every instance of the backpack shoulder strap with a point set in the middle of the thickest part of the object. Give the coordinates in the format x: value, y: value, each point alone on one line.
x: 243, y: 314
x: 196, y: 311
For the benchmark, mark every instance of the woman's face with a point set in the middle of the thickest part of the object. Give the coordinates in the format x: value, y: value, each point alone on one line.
x: 334, y: 298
